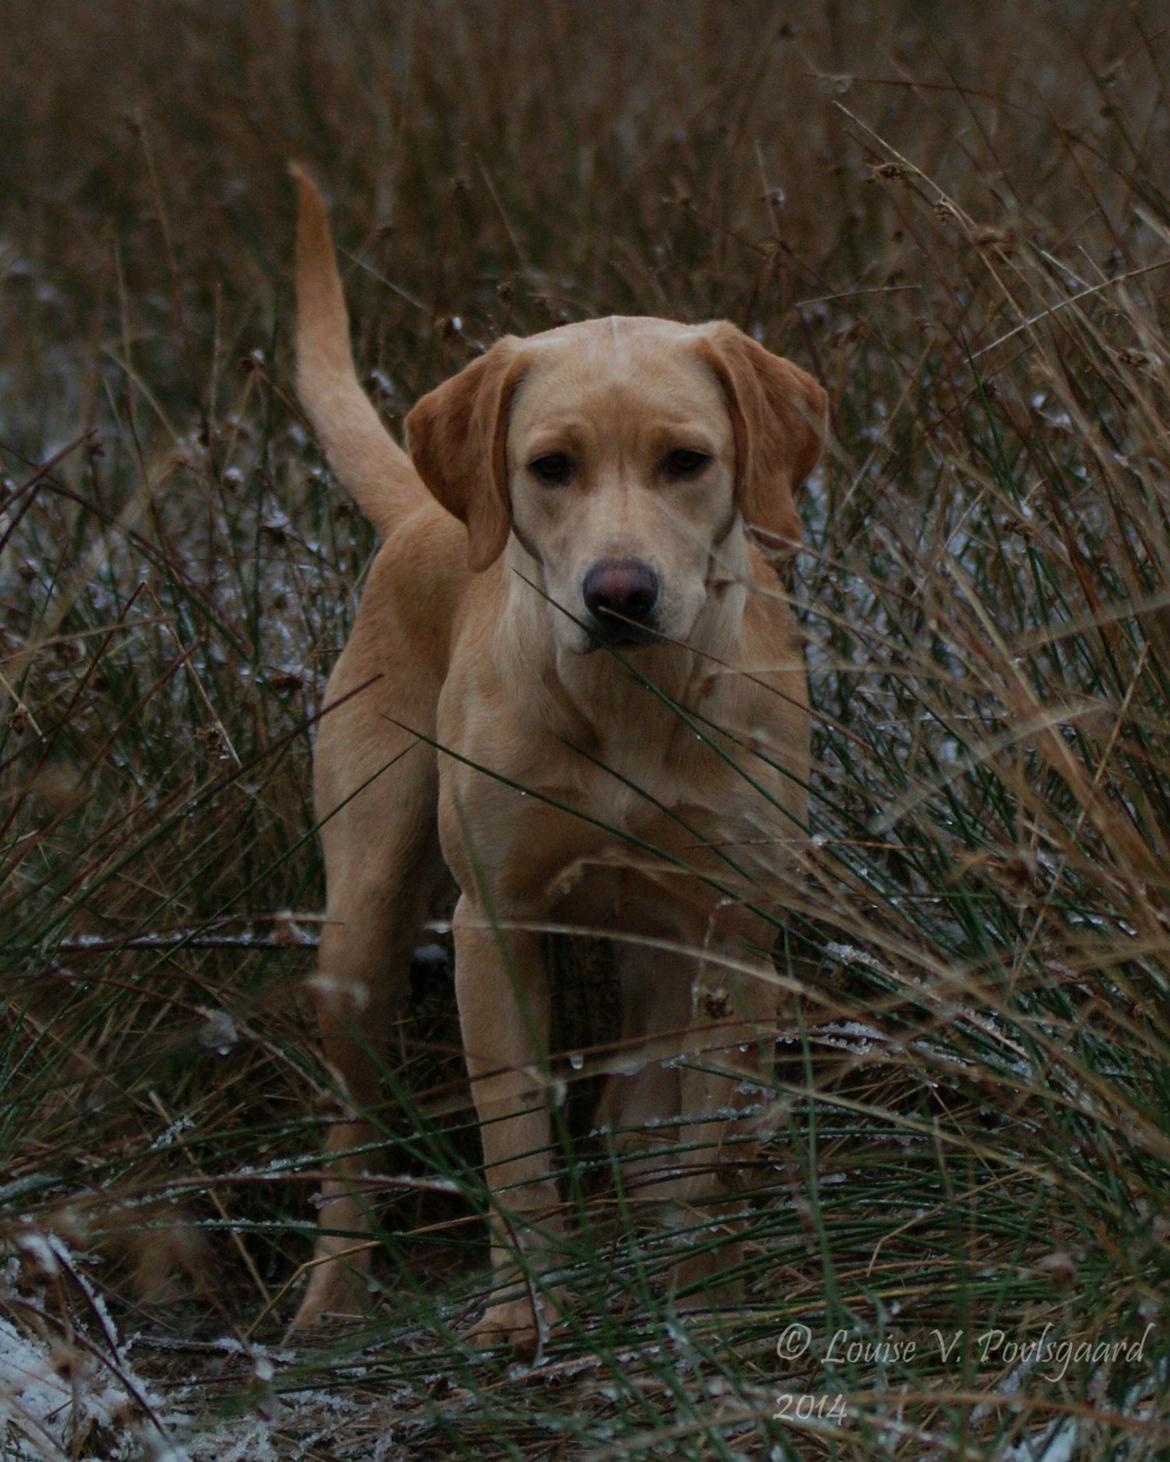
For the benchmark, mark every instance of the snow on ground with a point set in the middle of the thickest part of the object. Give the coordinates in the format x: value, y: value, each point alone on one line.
x: 49, y: 1396
x: 52, y: 1395
x: 78, y: 1391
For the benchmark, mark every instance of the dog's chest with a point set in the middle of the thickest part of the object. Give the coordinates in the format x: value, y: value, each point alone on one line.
x: 682, y: 781
x: 671, y: 828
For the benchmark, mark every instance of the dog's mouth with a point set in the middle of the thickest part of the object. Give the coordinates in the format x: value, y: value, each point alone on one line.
x: 612, y: 633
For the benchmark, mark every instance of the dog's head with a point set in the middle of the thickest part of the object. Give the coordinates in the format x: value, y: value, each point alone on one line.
x: 621, y: 453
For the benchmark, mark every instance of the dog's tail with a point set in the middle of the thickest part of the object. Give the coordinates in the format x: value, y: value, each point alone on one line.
x: 369, y: 462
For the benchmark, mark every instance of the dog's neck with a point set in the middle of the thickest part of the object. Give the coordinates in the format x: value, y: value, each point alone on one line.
x: 597, y: 689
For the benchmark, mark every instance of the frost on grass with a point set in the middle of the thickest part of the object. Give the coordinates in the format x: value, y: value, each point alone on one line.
x: 81, y: 1393
x: 52, y: 1395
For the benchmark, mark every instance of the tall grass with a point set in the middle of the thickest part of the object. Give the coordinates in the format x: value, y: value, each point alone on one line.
x: 958, y: 220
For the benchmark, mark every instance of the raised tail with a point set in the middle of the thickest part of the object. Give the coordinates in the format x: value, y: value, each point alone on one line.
x: 369, y: 462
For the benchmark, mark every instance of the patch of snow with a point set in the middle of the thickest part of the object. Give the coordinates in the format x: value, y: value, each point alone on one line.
x: 44, y: 1398
x: 1058, y: 1442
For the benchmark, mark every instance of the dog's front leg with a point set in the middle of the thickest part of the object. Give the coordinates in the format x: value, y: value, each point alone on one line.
x: 503, y: 995
x: 725, y: 1089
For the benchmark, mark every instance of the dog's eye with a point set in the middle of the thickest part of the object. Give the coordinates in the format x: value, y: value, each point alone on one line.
x: 553, y: 470
x: 681, y: 464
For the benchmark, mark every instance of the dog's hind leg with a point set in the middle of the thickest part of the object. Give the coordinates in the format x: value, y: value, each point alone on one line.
x: 382, y: 869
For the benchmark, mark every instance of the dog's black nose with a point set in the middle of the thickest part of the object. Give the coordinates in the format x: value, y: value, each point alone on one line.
x: 618, y: 589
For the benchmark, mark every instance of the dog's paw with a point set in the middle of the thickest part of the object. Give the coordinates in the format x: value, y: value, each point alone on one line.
x: 334, y: 1295
x: 513, y: 1323
x: 706, y: 1281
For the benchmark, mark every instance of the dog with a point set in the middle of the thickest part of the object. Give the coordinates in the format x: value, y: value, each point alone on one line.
x: 575, y: 682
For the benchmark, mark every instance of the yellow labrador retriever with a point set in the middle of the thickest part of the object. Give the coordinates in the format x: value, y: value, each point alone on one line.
x: 574, y: 679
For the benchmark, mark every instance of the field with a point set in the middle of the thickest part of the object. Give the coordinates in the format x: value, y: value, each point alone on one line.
x: 957, y: 218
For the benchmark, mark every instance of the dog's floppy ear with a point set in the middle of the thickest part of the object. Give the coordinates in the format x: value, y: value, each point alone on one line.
x: 457, y: 435
x: 780, y: 418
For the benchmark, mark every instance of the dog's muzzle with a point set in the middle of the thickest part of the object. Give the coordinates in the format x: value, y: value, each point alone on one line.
x: 621, y: 596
